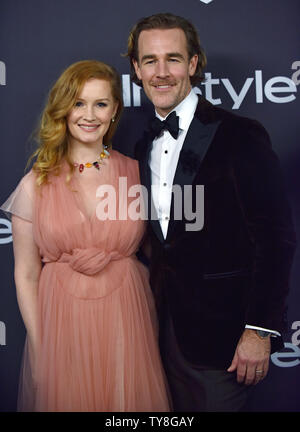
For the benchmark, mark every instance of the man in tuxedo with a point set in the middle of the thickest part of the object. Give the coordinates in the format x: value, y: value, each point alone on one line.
x: 220, y: 285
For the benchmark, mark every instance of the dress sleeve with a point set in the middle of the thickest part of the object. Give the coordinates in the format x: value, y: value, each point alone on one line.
x: 20, y: 202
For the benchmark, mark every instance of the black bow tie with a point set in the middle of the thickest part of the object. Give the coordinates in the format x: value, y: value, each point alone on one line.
x: 171, y: 123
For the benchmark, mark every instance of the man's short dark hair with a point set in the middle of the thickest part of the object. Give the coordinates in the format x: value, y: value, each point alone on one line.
x: 166, y: 21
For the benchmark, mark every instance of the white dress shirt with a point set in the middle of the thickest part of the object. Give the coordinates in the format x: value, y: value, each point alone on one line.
x: 164, y: 159
x: 163, y: 162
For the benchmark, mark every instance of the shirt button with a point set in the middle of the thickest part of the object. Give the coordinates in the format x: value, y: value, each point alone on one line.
x: 166, y: 151
x: 164, y: 184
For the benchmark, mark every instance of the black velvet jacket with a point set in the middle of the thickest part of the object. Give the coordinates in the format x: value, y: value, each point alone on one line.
x: 235, y: 270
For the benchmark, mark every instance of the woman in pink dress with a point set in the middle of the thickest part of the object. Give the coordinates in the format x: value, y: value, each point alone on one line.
x: 84, y: 297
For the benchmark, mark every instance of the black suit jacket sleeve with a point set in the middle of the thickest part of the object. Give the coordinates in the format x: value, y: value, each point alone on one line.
x: 269, y: 222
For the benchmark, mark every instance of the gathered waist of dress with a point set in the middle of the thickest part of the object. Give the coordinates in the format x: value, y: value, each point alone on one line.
x: 89, y: 261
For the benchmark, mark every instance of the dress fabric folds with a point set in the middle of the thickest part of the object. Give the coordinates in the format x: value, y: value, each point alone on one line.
x: 98, y: 335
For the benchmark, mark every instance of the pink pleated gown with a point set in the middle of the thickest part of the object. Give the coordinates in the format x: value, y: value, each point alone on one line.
x: 97, y: 322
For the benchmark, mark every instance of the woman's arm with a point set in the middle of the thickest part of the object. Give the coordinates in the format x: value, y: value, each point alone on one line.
x: 28, y: 267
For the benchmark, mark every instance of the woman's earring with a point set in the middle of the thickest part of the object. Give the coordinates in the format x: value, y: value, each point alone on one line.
x: 113, y: 120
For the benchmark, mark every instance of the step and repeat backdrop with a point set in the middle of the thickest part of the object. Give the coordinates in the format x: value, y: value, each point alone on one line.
x: 253, y: 51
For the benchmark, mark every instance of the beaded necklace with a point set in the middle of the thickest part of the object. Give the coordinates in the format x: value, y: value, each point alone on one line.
x: 103, y: 155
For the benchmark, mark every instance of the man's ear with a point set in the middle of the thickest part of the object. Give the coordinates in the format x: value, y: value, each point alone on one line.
x: 137, y: 69
x: 193, y: 65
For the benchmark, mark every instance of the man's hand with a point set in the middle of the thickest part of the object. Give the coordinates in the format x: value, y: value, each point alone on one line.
x: 251, y: 358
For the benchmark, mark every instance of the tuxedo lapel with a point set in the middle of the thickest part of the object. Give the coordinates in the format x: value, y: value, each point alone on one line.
x: 145, y: 174
x: 196, y: 144
x: 143, y: 157
x: 198, y: 139
x: 194, y: 149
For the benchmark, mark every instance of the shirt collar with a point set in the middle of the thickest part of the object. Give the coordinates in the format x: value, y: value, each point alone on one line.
x: 185, y: 110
